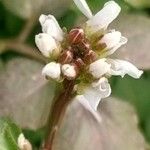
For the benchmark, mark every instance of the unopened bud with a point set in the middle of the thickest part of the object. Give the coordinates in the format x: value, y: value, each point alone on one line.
x: 23, y: 143
x: 69, y: 71
x: 99, y: 68
x: 50, y: 26
x: 66, y: 57
x: 79, y: 62
x: 76, y: 35
x: 84, y: 46
x: 90, y: 57
x: 52, y: 70
x: 46, y: 44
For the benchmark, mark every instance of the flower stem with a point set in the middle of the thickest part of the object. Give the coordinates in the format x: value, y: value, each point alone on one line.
x: 57, y: 113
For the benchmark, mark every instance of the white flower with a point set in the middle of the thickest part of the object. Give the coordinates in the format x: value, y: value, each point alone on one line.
x: 103, y: 18
x: 99, y: 68
x: 49, y: 43
x: 46, y: 44
x: 50, y: 26
x: 52, y: 70
x: 98, y: 90
x: 121, y: 67
x: 69, y: 71
x: 23, y: 143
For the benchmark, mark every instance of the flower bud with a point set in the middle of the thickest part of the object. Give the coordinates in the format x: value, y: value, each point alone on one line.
x: 76, y: 35
x: 99, y: 68
x: 23, y: 143
x: 52, y: 70
x: 79, y: 62
x: 66, y: 57
x: 69, y: 71
x: 46, y: 44
x: 90, y: 57
x: 84, y: 46
x: 50, y: 26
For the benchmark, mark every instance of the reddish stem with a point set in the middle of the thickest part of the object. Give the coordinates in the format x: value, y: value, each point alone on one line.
x: 57, y: 113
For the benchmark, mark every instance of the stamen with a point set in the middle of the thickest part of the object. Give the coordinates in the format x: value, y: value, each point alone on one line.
x: 78, y: 54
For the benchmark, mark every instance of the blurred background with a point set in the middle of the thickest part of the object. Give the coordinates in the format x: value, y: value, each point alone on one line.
x: 25, y: 96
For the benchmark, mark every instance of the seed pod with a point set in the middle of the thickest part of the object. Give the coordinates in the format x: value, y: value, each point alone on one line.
x: 66, y: 57
x: 76, y: 35
x: 90, y: 57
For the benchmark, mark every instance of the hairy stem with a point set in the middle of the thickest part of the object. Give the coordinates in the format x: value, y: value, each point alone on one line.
x: 57, y: 113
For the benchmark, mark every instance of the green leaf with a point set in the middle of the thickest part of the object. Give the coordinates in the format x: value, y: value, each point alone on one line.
x: 26, y: 96
x: 118, y: 129
x: 9, y: 133
x: 139, y: 3
x: 27, y: 8
x: 68, y: 19
x: 35, y: 137
x: 137, y: 93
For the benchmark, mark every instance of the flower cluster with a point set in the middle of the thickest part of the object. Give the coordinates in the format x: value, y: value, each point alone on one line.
x: 82, y: 54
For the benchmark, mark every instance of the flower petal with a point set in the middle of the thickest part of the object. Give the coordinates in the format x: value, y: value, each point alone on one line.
x: 103, y: 87
x: 105, y: 16
x: 121, y: 67
x: 98, y: 90
x: 83, y: 7
x: 99, y: 68
x: 111, y: 39
x: 45, y: 43
x: 81, y: 99
x: 93, y: 96
x: 123, y: 40
x: 52, y: 70
x: 50, y: 26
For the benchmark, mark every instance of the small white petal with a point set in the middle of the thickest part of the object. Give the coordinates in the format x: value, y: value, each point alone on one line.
x: 23, y: 143
x: 81, y: 99
x: 93, y: 96
x: 103, y: 87
x: 123, y: 40
x: 52, y: 70
x: 83, y: 7
x: 121, y: 67
x: 111, y: 39
x: 45, y: 43
x: 50, y: 26
x: 69, y: 71
x: 105, y: 16
x: 98, y: 90
x: 99, y: 68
